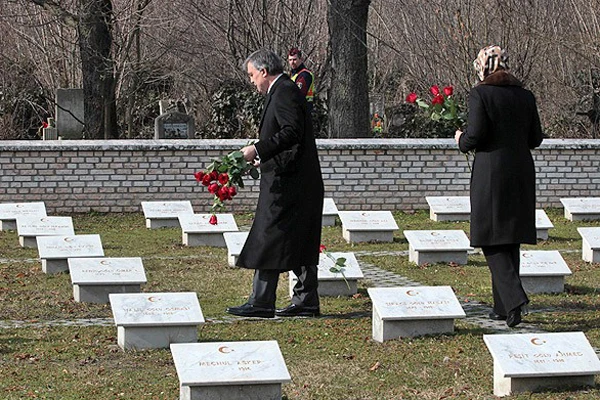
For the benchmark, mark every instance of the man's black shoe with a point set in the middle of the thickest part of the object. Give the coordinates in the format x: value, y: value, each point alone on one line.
x: 294, y: 310
x: 514, y: 317
x: 496, y: 317
x: 248, y: 310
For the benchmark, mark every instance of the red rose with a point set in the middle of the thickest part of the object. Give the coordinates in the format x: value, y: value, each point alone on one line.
x: 213, y: 188
x: 438, y: 99
x: 44, y: 124
x: 224, y: 193
x: 214, y: 175
x: 199, y: 175
x: 213, y: 220
x: 411, y: 98
x: 322, y: 248
x: 232, y: 191
x: 223, y: 178
x: 448, y: 90
x: 206, y: 179
x: 435, y: 90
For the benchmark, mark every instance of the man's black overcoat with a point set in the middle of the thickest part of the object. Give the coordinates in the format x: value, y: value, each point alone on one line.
x: 286, y: 232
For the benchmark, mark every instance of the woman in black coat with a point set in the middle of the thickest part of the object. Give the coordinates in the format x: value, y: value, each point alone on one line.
x: 503, y: 125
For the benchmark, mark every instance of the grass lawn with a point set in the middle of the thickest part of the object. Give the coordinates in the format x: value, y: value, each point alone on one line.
x: 329, y: 358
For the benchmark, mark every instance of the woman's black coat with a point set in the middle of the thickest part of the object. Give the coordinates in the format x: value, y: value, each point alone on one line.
x: 286, y: 232
x: 503, y: 125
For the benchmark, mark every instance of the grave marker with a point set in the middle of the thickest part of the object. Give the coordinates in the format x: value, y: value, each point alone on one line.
x: 368, y: 226
x: 581, y: 208
x: 333, y: 284
x: 10, y: 211
x: 453, y: 208
x: 155, y: 320
x: 536, y: 361
x: 590, y: 244
x: 197, y: 231
x: 94, y: 279
x: 413, y: 311
x: 445, y: 246
x: 230, y: 370
x: 542, y: 224
x: 330, y: 212
x: 55, y: 250
x: 235, y: 243
x: 543, y: 271
x: 29, y: 228
x: 174, y: 125
x: 164, y: 214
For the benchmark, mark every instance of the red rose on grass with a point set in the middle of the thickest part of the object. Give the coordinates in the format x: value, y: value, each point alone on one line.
x: 411, y: 98
x: 223, y: 178
x: 448, y: 90
x: 435, y: 90
x: 438, y: 99
x: 213, y: 220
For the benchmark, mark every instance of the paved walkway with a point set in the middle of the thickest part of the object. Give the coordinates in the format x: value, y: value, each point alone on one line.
x: 477, y: 313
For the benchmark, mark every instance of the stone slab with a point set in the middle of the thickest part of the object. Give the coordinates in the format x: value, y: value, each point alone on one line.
x: 536, y: 361
x: 230, y: 363
x: 368, y: 226
x: 452, y: 208
x: 154, y: 320
x: 10, y: 211
x: 581, y: 208
x: 235, y: 243
x: 197, y: 231
x: 413, y: 311
x: 28, y: 228
x: 164, y: 214
x: 543, y: 271
x: 590, y: 244
x: 54, y: 251
x: 332, y: 284
x: 330, y: 212
x: 437, y: 246
x: 542, y: 224
x: 94, y: 279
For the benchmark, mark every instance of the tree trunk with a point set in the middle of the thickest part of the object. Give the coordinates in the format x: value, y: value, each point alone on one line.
x: 349, y: 93
x: 95, y: 42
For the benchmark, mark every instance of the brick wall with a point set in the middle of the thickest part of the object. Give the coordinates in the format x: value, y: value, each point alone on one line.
x: 366, y: 174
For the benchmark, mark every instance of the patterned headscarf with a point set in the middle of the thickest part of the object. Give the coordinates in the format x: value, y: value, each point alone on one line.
x: 489, y: 60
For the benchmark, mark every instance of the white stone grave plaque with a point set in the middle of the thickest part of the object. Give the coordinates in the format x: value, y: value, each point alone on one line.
x: 10, y: 211
x: 333, y: 284
x: 581, y: 208
x: 155, y: 320
x: 535, y: 361
x: 590, y: 244
x: 197, y: 231
x: 29, y: 228
x: 230, y: 370
x: 235, y: 243
x: 413, y: 311
x: 163, y: 214
x: 543, y: 271
x: 330, y: 212
x: 368, y: 226
x: 542, y: 224
x: 442, y: 246
x: 94, y: 279
x: 453, y: 208
x: 55, y: 250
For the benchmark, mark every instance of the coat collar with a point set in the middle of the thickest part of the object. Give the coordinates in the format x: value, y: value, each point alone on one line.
x: 501, y: 78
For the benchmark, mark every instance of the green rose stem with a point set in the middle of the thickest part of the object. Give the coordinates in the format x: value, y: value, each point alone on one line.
x: 338, y: 266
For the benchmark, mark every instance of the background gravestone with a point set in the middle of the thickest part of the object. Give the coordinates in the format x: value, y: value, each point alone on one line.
x: 69, y: 113
x: 174, y: 125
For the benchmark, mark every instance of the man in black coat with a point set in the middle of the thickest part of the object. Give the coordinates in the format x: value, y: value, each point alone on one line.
x: 286, y: 232
x: 503, y: 125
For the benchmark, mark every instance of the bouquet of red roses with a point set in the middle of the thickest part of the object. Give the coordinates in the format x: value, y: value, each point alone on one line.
x: 442, y: 106
x: 221, y: 178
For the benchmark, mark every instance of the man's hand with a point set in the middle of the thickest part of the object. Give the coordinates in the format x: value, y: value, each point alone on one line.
x: 250, y: 155
x: 457, y: 135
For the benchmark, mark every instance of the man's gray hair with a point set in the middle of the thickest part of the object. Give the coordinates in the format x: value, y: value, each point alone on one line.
x: 265, y: 59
